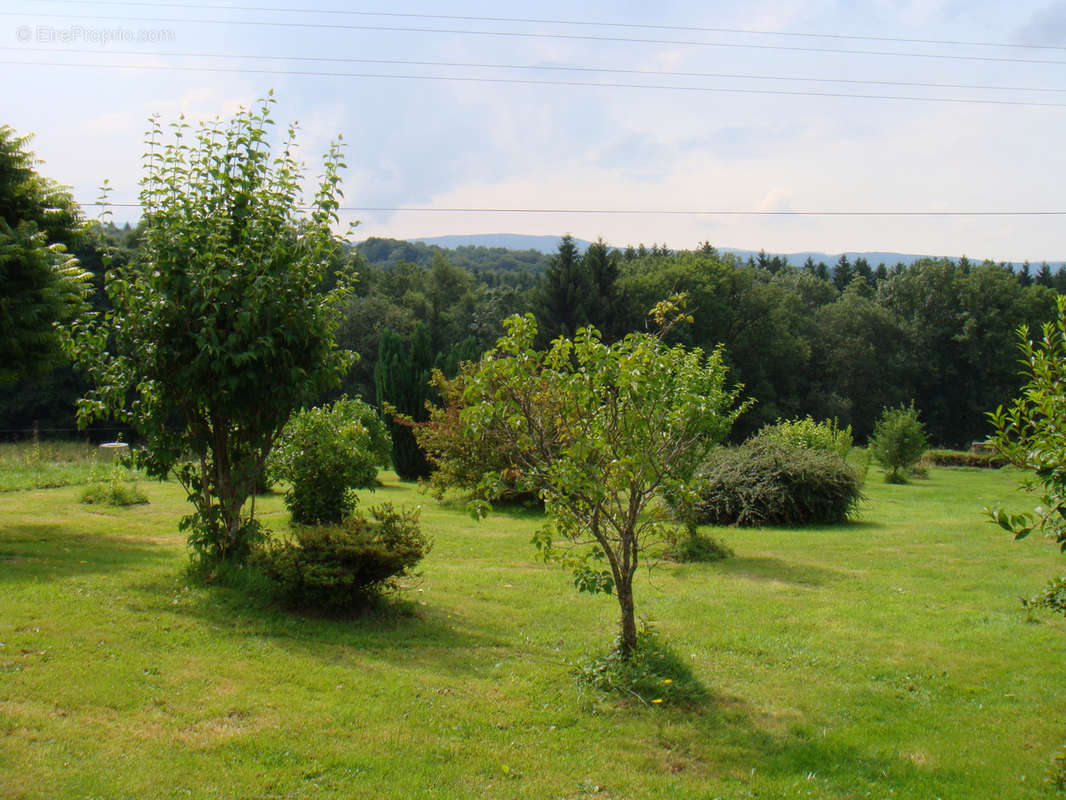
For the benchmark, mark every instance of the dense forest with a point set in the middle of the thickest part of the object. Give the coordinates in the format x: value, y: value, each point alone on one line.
x: 841, y: 340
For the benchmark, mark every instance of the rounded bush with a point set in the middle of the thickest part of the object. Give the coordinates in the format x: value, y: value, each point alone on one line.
x: 342, y: 567
x: 325, y: 453
x: 769, y: 483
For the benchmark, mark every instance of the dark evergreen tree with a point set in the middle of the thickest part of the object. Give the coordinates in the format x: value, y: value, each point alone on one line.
x: 863, y: 270
x: 1059, y: 283
x: 401, y: 377
x: 600, y: 265
x: 448, y: 362
x: 562, y: 304
x: 843, y: 273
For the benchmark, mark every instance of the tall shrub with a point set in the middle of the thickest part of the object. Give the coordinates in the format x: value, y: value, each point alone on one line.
x: 218, y: 330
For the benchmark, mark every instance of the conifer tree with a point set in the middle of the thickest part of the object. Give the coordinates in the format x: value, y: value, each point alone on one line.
x: 401, y: 378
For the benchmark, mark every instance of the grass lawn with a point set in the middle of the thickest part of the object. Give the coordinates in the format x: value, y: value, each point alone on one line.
x: 885, y: 658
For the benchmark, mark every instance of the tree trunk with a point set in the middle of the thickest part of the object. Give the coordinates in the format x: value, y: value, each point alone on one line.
x: 624, y: 588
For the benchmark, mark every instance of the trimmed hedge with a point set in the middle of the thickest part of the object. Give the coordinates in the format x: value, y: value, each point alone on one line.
x: 961, y: 458
x: 769, y: 483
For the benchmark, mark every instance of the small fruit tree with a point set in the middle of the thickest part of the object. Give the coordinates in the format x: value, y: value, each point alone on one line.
x: 601, y: 432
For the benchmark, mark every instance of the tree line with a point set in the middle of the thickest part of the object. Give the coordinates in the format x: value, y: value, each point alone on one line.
x: 837, y: 342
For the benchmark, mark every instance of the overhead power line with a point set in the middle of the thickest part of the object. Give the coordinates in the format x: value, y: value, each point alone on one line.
x: 573, y: 22
x: 539, y: 35
x: 531, y: 82
x: 547, y: 68
x: 663, y: 211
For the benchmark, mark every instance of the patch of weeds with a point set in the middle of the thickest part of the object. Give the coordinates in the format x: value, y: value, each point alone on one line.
x: 113, y: 493
x: 118, y: 489
x: 652, y: 675
x: 1058, y: 771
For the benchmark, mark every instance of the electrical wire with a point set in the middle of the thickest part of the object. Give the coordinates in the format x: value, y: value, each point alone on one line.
x: 573, y: 22
x: 540, y: 36
x: 662, y: 211
x: 532, y: 82
x: 546, y: 68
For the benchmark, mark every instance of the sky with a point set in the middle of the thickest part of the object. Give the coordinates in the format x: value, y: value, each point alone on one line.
x: 895, y: 120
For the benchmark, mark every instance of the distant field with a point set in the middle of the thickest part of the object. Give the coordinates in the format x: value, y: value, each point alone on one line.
x: 885, y: 658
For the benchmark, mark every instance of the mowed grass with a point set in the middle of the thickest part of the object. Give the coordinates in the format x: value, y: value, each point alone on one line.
x: 885, y: 658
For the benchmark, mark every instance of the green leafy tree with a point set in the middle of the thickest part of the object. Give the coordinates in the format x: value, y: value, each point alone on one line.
x: 43, y: 289
x: 1030, y: 432
x: 898, y: 441
x: 956, y: 355
x: 859, y: 361
x: 450, y: 295
x: 217, y: 332
x: 460, y: 461
x: 600, y: 431
x: 759, y: 320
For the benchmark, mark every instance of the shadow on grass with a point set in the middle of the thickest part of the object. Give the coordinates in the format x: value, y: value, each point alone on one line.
x: 33, y: 552
x: 766, y: 754
x: 820, y: 759
x: 366, y: 496
x: 766, y: 568
x: 398, y: 630
x: 861, y: 525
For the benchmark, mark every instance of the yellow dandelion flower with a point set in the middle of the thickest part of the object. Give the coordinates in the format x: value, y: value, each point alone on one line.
x: 667, y: 680
x: 657, y: 701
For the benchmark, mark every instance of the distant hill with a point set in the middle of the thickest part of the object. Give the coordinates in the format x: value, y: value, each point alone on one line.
x: 872, y: 258
x: 549, y: 244
x: 510, y: 241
